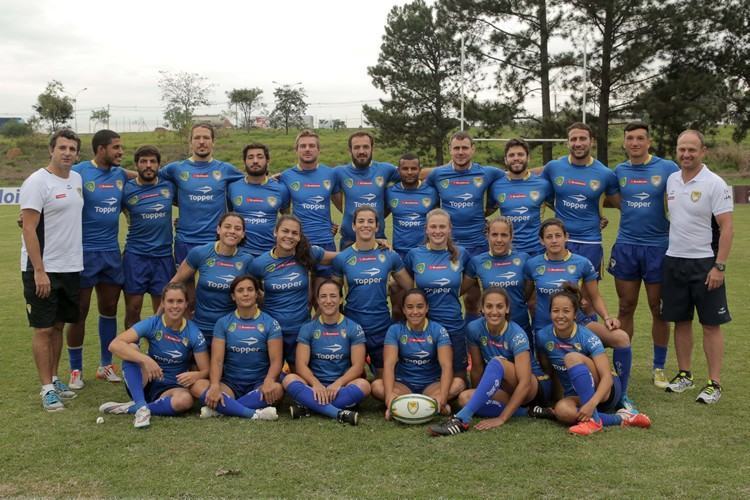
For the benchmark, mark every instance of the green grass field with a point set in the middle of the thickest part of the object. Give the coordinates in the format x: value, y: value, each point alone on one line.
x: 691, y: 451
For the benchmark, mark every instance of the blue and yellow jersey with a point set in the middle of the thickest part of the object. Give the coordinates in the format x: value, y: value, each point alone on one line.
x: 149, y: 211
x: 330, y: 346
x: 102, y: 203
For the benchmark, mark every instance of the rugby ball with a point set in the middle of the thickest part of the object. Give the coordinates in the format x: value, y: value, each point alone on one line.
x: 413, y: 409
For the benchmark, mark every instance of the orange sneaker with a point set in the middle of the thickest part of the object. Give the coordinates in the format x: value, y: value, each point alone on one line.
x: 585, y: 428
x: 634, y: 419
x: 108, y: 373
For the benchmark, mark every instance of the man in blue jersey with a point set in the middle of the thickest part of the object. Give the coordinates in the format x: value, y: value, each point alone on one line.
x: 363, y: 181
x: 642, y: 239
x: 147, y: 259
x: 103, y: 182
x: 258, y: 199
x: 521, y: 196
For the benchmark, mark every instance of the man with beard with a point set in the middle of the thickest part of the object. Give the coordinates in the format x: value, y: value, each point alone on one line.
x: 520, y: 196
x: 147, y: 259
x: 258, y: 199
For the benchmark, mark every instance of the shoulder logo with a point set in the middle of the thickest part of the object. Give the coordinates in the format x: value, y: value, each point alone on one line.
x: 404, y: 339
x: 272, y: 200
x: 352, y: 261
x: 655, y: 180
x: 295, y: 186
x: 165, y: 193
x: 216, y: 174
x: 210, y: 262
x: 133, y: 200
x: 381, y: 257
x: 379, y: 181
x: 487, y: 264
x: 501, y: 197
x: 571, y: 268
x: 118, y: 183
x: 559, y: 180
x: 534, y: 195
x: 90, y: 186
x: 444, y: 183
x: 478, y: 181
x: 550, y: 346
x: 516, y: 261
x: 394, y: 203
x: 349, y: 182
x: 695, y: 196
x: 316, y: 334
x: 594, y: 184
x: 420, y: 267
x: 540, y: 269
x: 426, y: 202
x: 184, y: 175
x: 327, y: 184
x: 623, y: 181
x: 237, y: 200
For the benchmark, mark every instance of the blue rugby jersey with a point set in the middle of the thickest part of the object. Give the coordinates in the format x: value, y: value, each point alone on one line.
x: 102, y: 204
x: 149, y: 210
x: 330, y: 346
x: 259, y: 205
x: 409, y: 208
x: 555, y: 348
x: 418, y: 362
x: 310, y: 193
x: 171, y: 349
x: 508, y: 344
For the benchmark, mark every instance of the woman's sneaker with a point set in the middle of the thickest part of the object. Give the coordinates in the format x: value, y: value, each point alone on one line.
x: 51, y: 401
x: 710, y: 394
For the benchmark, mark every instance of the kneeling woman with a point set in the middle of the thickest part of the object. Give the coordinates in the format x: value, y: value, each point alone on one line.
x: 504, y: 370
x: 418, y: 358
x: 591, y: 391
x: 330, y: 361
x: 159, y: 381
x: 245, y: 359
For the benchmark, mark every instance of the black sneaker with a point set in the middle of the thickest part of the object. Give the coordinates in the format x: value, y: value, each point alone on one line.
x: 541, y: 412
x: 298, y: 411
x: 450, y: 427
x: 348, y: 417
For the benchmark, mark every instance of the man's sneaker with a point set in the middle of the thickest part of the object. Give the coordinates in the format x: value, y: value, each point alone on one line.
x: 267, y: 413
x: 541, y: 412
x: 51, y: 401
x: 630, y: 419
x: 142, y: 417
x: 116, y: 408
x: 76, y: 380
x: 659, y: 378
x: 208, y: 412
x: 627, y: 404
x: 62, y: 389
x: 108, y: 373
x: 348, y: 417
x: 298, y: 411
x: 680, y: 383
x: 450, y: 427
x: 710, y: 394
x: 585, y: 428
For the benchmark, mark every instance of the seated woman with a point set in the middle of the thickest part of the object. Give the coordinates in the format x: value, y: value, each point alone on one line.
x: 504, y: 370
x: 159, y: 381
x: 418, y: 358
x: 330, y: 360
x: 591, y: 391
x: 245, y: 359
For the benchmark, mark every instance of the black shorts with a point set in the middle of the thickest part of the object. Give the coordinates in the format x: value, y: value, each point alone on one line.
x: 60, y: 307
x: 684, y: 290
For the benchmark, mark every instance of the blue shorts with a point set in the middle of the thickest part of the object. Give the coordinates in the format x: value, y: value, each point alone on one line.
x: 144, y: 273
x: 181, y: 249
x: 374, y: 343
x: 592, y: 251
x: 153, y: 390
x: 322, y: 271
x: 637, y: 262
x: 416, y: 388
x: 544, y: 392
x: 240, y: 390
x: 401, y: 253
x: 290, y: 346
x: 474, y: 251
x: 612, y: 404
x: 209, y: 336
x: 460, y: 356
x: 102, y: 267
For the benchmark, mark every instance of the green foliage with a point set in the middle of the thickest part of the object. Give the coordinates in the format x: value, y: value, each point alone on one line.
x: 246, y: 100
x: 289, y: 107
x: 16, y: 129
x: 182, y: 93
x: 101, y: 115
x: 53, y: 107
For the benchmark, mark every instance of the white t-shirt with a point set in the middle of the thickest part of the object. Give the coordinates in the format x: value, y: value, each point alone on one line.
x: 691, y: 207
x: 60, y: 203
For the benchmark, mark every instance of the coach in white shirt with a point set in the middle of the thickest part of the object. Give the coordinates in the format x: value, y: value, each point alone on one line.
x: 700, y: 237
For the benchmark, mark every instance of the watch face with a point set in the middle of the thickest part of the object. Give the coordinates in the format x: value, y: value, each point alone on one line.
x: 720, y: 267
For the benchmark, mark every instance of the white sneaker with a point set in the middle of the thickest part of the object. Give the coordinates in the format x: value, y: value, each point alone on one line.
x: 208, y: 412
x: 142, y: 417
x: 76, y: 380
x: 116, y: 408
x: 108, y: 373
x: 267, y: 413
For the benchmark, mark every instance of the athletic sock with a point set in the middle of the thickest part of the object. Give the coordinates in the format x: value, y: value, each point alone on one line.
x: 305, y: 396
x: 609, y: 420
x: 623, y: 360
x: 472, y: 316
x: 107, y: 333
x: 487, y: 387
x: 252, y: 400
x: 163, y: 407
x: 348, y: 396
x: 583, y: 383
x: 230, y: 407
x: 660, y: 356
x: 131, y: 372
x: 490, y: 409
x: 48, y: 387
x: 75, y: 355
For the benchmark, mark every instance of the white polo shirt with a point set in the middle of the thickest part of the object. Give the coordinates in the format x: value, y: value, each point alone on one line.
x: 691, y: 206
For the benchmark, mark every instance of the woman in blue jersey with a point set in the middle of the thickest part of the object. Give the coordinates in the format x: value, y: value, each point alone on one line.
x: 418, y: 358
x: 245, y: 359
x: 330, y: 362
x: 438, y: 268
x: 217, y: 265
x: 591, y: 392
x: 504, y: 370
x: 159, y: 380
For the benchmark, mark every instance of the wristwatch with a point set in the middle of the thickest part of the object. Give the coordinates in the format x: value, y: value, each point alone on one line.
x: 720, y: 267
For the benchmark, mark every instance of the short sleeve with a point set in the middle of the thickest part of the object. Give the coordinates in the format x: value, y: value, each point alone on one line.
x: 338, y: 265
x: 145, y: 328
x: 588, y: 272
x: 721, y: 198
x: 358, y: 335
x: 167, y: 172
x: 274, y: 331
x: 32, y: 195
x: 409, y: 262
x: 443, y: 338
x: 391, y: 336
x: 220, y: 331
x: 519, y: 342
x: 195, y: 257
x: 472, y: 335
x: 593, y: 346
x: 317, y: 253
x: 612, y: 186
x: 471, y: 267
x: 284, y: 195
x: 198, y: 340
x: 303, y: 337
x: 396, y: 263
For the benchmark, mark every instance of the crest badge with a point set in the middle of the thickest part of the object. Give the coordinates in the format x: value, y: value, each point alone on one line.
x: 454, y: 266
x: 379, y: 181
x: 487, y: 264
x: 165, y: 193
x: 394, y: 203
x: 133, y: 200
x: 559, y: 180
x: 270, y: 268
x: 261, y: 327
x: 623, y: 181
x: 594, y: 184
x: 352, y: 261
x: 444, y: 184
x: 158, y: 335
x: 420, y: 267
x: 404, y: 339
x: 118, y: 183
x: 316, y: 334
x: 695, y: 196
x: 381, y: 257
x: 478, y: 181
x: 571, y: 269
x: 295, y: 186
x: 90, y: 186
x: 211, y: 262
x: 185, y: 341
x: 655, y: 180
x: 232, y: 327
x: 540, y: 269
x: 412, y: 407
x: 327, y: 184
x: 238, y: 266
x: 534, y: 195
x: 272, y: 200
x: 237, y: 200
x: 550, y: 346
x: 185, y: 175
x: 216, y: 174
x: 516, y: 261
x: 501, y: 198
x: 426, y: 202
x: 349, y: 182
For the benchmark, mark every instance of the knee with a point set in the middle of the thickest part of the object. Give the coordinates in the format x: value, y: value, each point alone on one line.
x: 464, y: 397
x: 363, y: 385
x: 573, y: 358
x: 619, y: 338
x: 182, y: 401
x: 377, y: 388
x: 289, y: 379
x: 566, y: 411
x: 627, y: 306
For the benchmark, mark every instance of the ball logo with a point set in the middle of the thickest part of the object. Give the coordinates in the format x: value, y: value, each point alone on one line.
x: 571, y: 269
x: 420, y: 267
x: 404, y: 339
x: 295, y: 186
x: 655, y: 180
x: 232, y: 327
x: 185, y: 175
x: 272, y: 200
x: 550, y: 346
x: 237, y: 200
x: 379, y: 181
x: 478, y: 181
x: 487, y: 264
x: 540, y: 269
x: 501, y: 198
x: 349, y: 182
x: 158, y: 335
x: 594, y: 184
x: 165, y: 193
x: 216, y: 175
x: 516, y: 261
x: 426, y: 202
x: 444, y: 184
x: 559, y: 180
x: 133, y: 200
x: 352, y: 261
x: 327, y: 184
x: 695, y: 196
x: 394, y: 203
x: 90, y: 186
x: 210, y: 262
x: 412, y: 407
x: 534, y: 195
x: 623, y: 181
x: 316, y: 334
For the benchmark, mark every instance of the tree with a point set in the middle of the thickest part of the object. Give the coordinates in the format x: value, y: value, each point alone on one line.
x: 419, y: 67
x: 54, y: 107
x: 183, y: 93
x: 733, y: 27
x: 100, y: 115
x: 246, y: 100
x: 289, y: 107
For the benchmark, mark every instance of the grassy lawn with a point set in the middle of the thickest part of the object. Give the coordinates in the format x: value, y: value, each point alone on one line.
x: 691, y: 451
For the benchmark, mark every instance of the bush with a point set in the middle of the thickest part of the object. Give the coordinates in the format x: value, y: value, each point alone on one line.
x: 16, y: 129
x: 729, y: 157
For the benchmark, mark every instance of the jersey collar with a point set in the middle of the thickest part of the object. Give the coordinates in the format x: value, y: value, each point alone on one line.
x: 419, y: 184
x: 573, y: 333
x: 502, y: 332
x: 216, y: 249
x: 354, y: 247
x: 524, y: 178
x: 648, y: 160
x: 424, y: 329
x: 255, y: 316
x: 567, y: 256
x: 182, y: 325
x: 510, y: 251
x: 588, y: 164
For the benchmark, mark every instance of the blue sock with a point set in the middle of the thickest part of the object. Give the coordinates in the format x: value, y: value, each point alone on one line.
x: 472, y: 316
x: 131, y: 372
x: 609, y: 420
x: 490, y: 409
x: 230, y: 407
x: 583, y: 383
x: 660, y: 356
x: 76, y: 358
x: 348, y: 396
x: 107, y: 333
x: 163, y: 407
x: 487, y: 387
x: 623, y: 360
x: 304, y: 395
x: 252, y: 400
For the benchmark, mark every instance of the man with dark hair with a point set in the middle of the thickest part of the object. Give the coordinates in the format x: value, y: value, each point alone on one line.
x: 103, y: 182
x: 52, y: 259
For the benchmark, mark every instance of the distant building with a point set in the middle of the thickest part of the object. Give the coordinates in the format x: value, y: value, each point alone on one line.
x: 6, y: 119
x: 217, y: 121
x: 261, y: 121
x: 308, y: 121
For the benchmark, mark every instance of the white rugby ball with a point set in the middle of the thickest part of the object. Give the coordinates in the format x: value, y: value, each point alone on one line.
x: 413, y: 409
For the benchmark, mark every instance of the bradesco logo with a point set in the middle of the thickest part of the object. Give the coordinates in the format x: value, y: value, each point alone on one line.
x: 203, y: 196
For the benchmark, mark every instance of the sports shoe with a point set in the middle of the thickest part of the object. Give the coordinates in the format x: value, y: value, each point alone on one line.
x: 541, y: 412
x: 51, y: 401
x: 76, y: 380
x: 659, y: 378
x: 585, y: 428
x: 108, y: 373
x: 627, y: 404
x: 267, y: 413
x: 348, y: 417
x: 142, y: 417
x: 710, y: 394
x: 630, y: 419
x: 450, y: 427
x: 116, y: 408
x: 62, y: 389
x: 298, y: 411
x: 680, y: 383
x: 208, y: 412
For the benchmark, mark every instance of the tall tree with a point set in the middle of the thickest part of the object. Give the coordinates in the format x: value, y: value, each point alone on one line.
x: 733, y: 30
x: 289, y: 107
x: 247, y: 101
x: 100, y: 115
x: 53, y: 107
x: 182, y: 93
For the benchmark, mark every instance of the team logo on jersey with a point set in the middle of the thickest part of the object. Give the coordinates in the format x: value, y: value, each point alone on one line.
x: 695, y: 196
x: 444, y: 184
x: 118, y: 183
x: 381, y: 257
x: 429, y: 339
x: 316, y: 334
x: 501, y: 197
x: 349, y: 182
x: 352, y: 261
x: 185, y: 341
x: 624, y: 181
x: 550, y: 346
x: 237, y: 200
x: 210, y: 262
x: 404, y: 339
x: 232, y: 327
x: 534, y: 195
x: 80, y: 193
x: 327, y: 184
x: 516, y: 261
x: 261, y: 327
x: 487, y: 264
x: 594, y: 184
x: 540, y: 269
x: 216, y: 174
x: 483, y: 341
x: 379, y: 181
x: 133, y: 200
x: 90, y: 186
x: 238, y: 266
x: 165, y: 193
x: 394, y: 203
x: 559, y: 180
x: 158, y: 335
x: 420, y: 267
x: 185, y: 175
x: 655, y: 180
x: 577, y: 346
x: 571, y: 269
x: 454, y: 266
x: 295, y: 186
x: 426, y: 202
x: 272, y: 200
x: 478, y: 181
x: 270, y: 268
x: 343, y: 333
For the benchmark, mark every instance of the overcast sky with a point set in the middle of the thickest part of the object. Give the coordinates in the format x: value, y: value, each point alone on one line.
x: 115, y: 51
